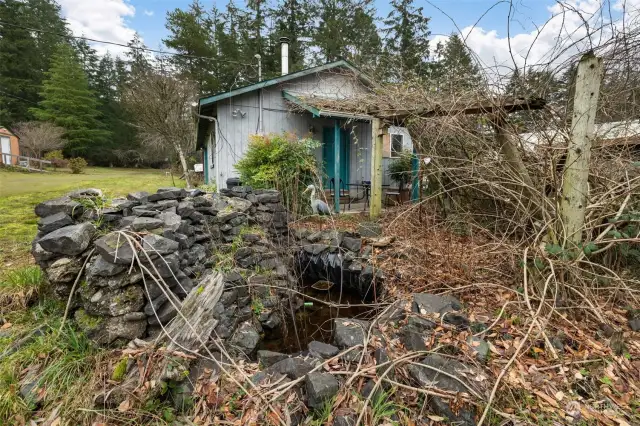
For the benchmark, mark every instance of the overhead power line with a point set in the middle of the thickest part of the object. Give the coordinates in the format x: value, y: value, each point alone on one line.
x: 113, y: 43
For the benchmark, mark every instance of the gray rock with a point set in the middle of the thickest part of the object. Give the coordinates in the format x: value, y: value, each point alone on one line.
x: 115, y: 248
x: 164, y: 266
x: 428, y: 377
x: 185, y: 208
x: 349, y: 332
x: 268, y: 358
x: 140, y: 196
x: 352, y: 244
x: 369, y: 229
x: 163, y: 315
x: 268, y: 197
x: 113, y: 302
x: 425, y: 303
x: 99, y: 267
x: 293, y: 368
x: 634, y: 324
x: 53, y: 222
x: 170, y: 193
x: 480, y: 347
x: 412, y: 339
x: 146, y: 223
x: 105, y: 331
x: 323, y: 350
x: 238, y: 204
x: 64, y: 270
x: 85, y: 193
x: 301, y: 233
x: 146, y: 210
x: 421, y: 324
x: 70, y: 240
x: 321, y: 387
x: 315, y: 249
x: 60, y: 205
x: 315, y: 237
x: 41, y: 256
x: 245, y: 339
x: 170, y: 221
x: 159, y: 245
x: 166, y: 204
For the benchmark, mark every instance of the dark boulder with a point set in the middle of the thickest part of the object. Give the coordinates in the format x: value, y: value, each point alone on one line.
x: 70, y: 240
x: 60, y: 205
x: 155, y: 244
x: 321, y: 387
x: 293, y: 368
x: 115, y: 248
x: 146, y: 223
x: 53, y: 222
x: 268, y: 358
x: 323, y: 350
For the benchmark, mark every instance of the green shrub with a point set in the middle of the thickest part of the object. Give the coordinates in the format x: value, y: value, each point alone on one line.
x: 283, y: 162
x: 400, y: 169
x: 77, y: 165
x: 56, y: 158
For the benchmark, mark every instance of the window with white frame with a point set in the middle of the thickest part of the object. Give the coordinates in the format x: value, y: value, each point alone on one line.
x: 397, y: 143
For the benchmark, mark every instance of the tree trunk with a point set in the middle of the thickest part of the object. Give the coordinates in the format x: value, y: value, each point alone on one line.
x: 575, y: 184
x: 183, y: 163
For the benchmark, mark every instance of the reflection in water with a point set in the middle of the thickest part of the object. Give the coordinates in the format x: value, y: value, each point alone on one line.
x: 314, y: 322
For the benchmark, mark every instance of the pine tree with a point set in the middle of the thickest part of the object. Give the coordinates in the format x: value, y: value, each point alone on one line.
x: 90, y: 61
x: 68, y: 103
x: 407, y: 41
x: 191, y: 35
x: 456, y: 71
x: 24, y: 54
x: 292, y: 19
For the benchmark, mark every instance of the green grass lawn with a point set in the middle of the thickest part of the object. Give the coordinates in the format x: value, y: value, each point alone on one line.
x: 20, y: 192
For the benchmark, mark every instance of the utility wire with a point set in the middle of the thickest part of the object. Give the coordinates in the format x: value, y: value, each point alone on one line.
x: 123, y: 45
x: 17, y: 97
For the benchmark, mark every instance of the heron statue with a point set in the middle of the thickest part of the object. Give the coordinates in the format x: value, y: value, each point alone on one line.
x: 318, y: 206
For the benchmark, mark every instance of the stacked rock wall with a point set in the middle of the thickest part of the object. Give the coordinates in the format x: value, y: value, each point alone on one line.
x: 133, y: 260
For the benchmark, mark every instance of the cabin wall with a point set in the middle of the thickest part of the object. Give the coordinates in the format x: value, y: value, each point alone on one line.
x: 238, y: 119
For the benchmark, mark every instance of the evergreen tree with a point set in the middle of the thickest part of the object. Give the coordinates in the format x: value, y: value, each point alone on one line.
x: 90, y: 61
x: 347, y: 30
x: 191, y: 35
x: 407, y: 41
x: 25, y: 54
x: 292, y: 19
x: 456, y: 70
x: 67, y: 102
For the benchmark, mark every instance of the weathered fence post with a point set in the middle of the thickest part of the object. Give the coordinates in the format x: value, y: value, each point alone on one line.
x: 575, y: 184
x: 376, y: 168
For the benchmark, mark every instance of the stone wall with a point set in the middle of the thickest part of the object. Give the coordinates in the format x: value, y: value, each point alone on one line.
x: 134, y: 259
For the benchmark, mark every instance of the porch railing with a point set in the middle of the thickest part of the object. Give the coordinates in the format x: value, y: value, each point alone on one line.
x: 29, y: 163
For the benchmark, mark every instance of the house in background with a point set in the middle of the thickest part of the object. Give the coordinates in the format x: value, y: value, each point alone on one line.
x: 9, y: 147
x: 227, y: 120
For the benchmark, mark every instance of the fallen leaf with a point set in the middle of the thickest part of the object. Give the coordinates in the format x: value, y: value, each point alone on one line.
x: 56, y: 422
x: 559, y: 395
x: 6, y: 325
x: 124, y: 405
x: 547, y: 398
x: 436, y: 418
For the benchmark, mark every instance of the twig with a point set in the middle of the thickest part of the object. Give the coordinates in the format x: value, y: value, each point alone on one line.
x: 73, y: 289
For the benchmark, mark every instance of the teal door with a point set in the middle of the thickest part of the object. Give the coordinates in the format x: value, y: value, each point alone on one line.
x: 328, y: 156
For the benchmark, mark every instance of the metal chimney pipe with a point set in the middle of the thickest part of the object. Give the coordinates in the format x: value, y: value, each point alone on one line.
x: 284, y: 46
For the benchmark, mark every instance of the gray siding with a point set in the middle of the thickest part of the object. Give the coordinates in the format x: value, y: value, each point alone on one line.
x: 231, y: 140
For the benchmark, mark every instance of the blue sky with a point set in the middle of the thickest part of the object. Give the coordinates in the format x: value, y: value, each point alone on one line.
x: 464, y: 12
x: 532, y: 37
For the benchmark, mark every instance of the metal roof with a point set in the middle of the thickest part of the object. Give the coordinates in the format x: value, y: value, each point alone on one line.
x: 277, y: 80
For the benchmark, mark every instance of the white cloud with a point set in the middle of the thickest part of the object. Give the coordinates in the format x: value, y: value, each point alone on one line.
x: 148, y: 12
x: 100, y: 20
x: 562, y: 37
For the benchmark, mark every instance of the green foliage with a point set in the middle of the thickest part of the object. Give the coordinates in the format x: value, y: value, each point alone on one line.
x: 25, y: 55
x: 57, y: 159
x: 77, y: 165
x: 383, y: 406
x: 211, y: 188
x: 401, y: 169
x: 280, y: 161
x: 257, y: 306
x: 120, y: 370
x: 456, y: 71
x: 19, y: 287
x: 68, y: 102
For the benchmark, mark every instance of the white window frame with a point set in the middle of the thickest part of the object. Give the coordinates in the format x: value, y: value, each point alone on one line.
x: 395, y: 154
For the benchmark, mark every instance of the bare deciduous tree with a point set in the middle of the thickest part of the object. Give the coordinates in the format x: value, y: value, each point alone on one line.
x: 39, y: 137
x: 161, y: 108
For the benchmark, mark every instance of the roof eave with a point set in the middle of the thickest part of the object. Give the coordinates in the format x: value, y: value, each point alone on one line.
x: 208, y: 100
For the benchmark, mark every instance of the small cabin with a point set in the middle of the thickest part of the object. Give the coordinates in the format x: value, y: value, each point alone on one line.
x: 9, y: 147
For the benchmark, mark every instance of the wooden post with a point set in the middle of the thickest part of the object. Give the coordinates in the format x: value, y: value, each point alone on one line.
x: 377, y: 133
x: 336, y: 166
x: 576, y: 173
